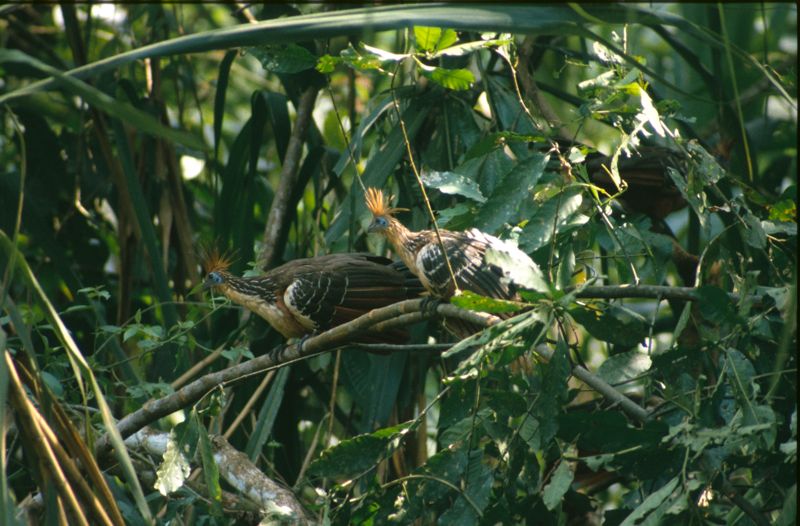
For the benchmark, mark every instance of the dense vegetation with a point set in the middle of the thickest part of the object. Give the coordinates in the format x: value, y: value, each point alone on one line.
x: 645, y: 157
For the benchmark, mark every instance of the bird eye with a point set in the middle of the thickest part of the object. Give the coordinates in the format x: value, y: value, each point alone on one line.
x: 381, y: 222
x: 215, y: 278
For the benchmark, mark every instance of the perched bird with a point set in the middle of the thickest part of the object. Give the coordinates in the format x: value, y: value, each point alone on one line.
x: 312, y: 295
x: 466, y: 251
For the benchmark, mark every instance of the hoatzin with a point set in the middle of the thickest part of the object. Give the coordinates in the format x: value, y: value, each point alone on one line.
x: 466, y: 251
x: 312, y: 295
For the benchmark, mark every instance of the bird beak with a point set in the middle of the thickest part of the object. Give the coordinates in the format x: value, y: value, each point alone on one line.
x: 207, y: 284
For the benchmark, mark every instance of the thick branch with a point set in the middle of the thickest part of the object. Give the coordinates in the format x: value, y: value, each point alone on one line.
x: 279, y: 212
x: 273, y: 499
x: 194, y: 391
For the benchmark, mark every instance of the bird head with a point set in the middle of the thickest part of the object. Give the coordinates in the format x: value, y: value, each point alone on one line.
x: 382, y: 213
x: 216, y: 267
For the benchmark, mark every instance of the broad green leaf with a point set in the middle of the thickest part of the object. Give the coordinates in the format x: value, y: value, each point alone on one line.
x: 356, y: 455
x: 558, y: 486
x: 504, y: 204
x: 453, y: 183
x: 477, y: 487
x: 327, y: 64
x: 653, y: 501
x: 284, y: 58
x: 210, y: 468
x: 432, y: 39
x: 624, y: 366
x: 612, y: 323
x: 788, y: 515
x: 555, y: 215
x: 454, y: 79
x: 715, y: 305
x: 267, y: 414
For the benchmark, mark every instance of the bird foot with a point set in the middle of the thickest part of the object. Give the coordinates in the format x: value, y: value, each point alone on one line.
x: 429, y: 306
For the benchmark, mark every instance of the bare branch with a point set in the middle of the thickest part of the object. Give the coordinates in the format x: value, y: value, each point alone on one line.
x: 272, y: 499
x: 279, y: 212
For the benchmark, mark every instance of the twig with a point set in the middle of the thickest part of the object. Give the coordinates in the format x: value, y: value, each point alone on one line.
x: 279, y: 211
x: 645, y: 291
x: 639, y: 291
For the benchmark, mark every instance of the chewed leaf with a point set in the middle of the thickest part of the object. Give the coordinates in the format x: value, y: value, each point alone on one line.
x: 475, y: 302
x: 173, y: 470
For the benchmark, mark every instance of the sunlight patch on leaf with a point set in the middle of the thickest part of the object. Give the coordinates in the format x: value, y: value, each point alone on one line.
x: 454, y: 184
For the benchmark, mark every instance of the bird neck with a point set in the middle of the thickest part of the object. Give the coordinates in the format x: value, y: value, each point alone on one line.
x: 402, y: 240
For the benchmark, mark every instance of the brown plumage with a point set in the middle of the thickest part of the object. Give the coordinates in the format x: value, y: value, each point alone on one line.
x: 311, y: 295
x: 467, y: 250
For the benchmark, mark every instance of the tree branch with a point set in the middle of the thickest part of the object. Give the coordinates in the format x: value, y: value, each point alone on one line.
x: 283, y: 354
x: 607, y: 391
x: 642, y: 291
x: 279, y: 211
x: 272, y: 499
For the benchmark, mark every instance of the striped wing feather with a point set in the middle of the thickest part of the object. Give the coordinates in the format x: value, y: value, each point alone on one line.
x: 330, y: 290
x: 467, y: 252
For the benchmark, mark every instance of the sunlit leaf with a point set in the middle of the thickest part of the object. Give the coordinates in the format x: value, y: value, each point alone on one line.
x: 453, y: 183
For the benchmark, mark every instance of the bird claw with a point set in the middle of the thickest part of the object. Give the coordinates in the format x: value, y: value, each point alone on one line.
x: 429, y: 306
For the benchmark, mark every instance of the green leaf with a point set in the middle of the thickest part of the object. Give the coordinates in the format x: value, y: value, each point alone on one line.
x: 716, y: 305
x: 784, y: 211
x: 475, y: 302
x: 788, y: 514
x: 558, y: 486
x: 555, y: 215
x: 327, y: 64
x: 267, y: 414
x: 454, y: 79
x: 432, y: 39
x: 210, y: 469
x: 454, y: 184
x: 477, y: 487
x: 624, y: 366
x: 357, y: 455
x: 504, y: 203
x: 652, y: 502
x: 612, y: 323
x: 284, y: 58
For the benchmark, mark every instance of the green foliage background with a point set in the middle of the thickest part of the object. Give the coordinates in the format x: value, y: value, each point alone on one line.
x: 132, y: 134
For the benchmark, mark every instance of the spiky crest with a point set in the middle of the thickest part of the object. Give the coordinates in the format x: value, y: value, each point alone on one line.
x: 214, y: 261
x: 379, y: 204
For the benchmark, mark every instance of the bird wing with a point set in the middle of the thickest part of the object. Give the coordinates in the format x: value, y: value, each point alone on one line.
x: 466, y: 252
x: 331, y: 290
